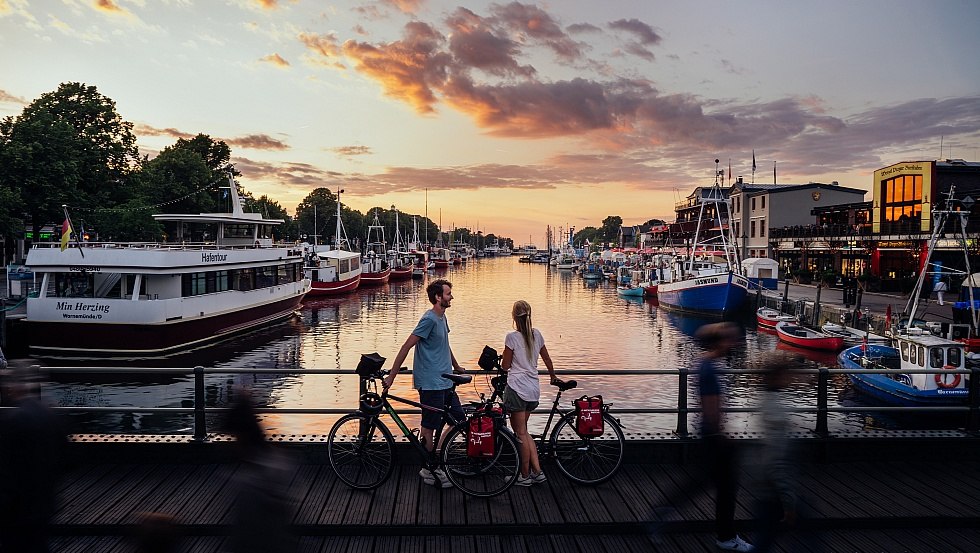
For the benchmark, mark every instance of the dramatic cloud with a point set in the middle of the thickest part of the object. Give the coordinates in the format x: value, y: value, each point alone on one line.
x: 275, y: 59
x: 409, y: 69
x: 583, y: 28
x: 324, y: 46
x: 300, y: 175
x: 475, y: 44
x: 533, y: 23
x: 110, y: 7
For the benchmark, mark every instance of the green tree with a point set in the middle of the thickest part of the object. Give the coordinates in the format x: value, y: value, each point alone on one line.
x: 609, y: 231
x: 68, y: 147
x: 271, y: 209
x: 321, y: 203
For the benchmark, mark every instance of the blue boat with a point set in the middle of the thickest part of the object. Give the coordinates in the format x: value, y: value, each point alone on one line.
x: 709, y: 281
x: 914, y: 352
x: 711, y: 294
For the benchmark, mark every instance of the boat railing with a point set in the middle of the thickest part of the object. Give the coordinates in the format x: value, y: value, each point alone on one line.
x: 819, y: 406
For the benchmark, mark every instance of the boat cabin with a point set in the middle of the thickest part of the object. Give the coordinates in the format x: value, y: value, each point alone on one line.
x: 919, y: 350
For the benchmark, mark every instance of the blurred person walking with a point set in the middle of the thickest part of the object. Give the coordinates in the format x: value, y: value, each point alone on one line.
x: 262, y: 506
x: 32, y: 442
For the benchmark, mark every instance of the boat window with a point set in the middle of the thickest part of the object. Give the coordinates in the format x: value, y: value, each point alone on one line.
x: 238, y: 231
x: 74, y: 285
x: 953, y: 356
x: 905, y: 351
x: 193, y: 284
x: 922, y: 356
x: 243, y: 279
x: 345, y: 265
x: 265, y: 277
x: 936, y: 358
x: 912, y: 354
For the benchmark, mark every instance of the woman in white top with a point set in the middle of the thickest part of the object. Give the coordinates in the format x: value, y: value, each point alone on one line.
x: 521, y: 396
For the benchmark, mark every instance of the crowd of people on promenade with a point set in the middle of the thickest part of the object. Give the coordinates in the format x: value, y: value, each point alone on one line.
x: 31, y: 437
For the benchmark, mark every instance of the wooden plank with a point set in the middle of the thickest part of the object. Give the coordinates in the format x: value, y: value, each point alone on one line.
x: 477, y: 510
x: 430, y: 501
x: 501, y: 509
x: 338, y: 499
x: 437, y: 544
x: 489, y: 544
x: 841, y: 482
x: 688, y: 491
x: 907, y: 484
x: 156, y: 502
x: 548, y: 510
x: 212, y: 503
x: 383, y: 502
x: 112, y: 496
x: 453, y: 507
x: 407, y: 498
x: 187, y: 491
x: 539, y: 544
x: 635, y: 494
x: 318, y: 496
x: 413, y: 544
x: 336, y: 544
x: 615, y: 504
x: 570, y: 507
x: 82, y: 502
x: 387, y: 544
x: 514, y: 544
x: 905, y: 496
x: 159, y: 475
x: 524, y: 510
x: 300, y: 487
x: 206, y: 544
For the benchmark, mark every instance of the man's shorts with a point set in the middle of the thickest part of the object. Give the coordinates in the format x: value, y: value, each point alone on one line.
x: 439, y: 399
x: 513, y: 402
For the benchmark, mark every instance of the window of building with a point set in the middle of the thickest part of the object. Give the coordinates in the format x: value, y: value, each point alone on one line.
x: 902, y: 199
x: 752, y: 229
x: 762, y: 225
x: 753, y: 204
x: 763, y: 202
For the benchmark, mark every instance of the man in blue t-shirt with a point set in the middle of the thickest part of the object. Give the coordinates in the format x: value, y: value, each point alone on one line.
x: 433, y: 358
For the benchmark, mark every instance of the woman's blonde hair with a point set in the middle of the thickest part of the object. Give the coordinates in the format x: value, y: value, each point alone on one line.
x: 522, y: 320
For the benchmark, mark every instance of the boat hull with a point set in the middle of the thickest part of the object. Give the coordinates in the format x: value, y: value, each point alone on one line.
x: 91, y: 340
x: 809, y: 339
x: 636, y: 291
x: 334, y: 288
x: 716, y: 295
x: 401, y: 273
x: 375, y: 279
x: 892, y: 390
x: 769, y: 318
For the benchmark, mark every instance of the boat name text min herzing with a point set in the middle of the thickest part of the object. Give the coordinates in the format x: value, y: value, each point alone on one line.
x: 213, y: 257
x: 80, y: 306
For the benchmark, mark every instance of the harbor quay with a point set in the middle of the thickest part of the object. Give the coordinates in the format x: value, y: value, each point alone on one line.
x: 895, y: 491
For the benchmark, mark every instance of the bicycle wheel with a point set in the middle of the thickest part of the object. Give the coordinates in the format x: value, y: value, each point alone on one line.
x: 587, y: 460
x: 481, y: 476
x: 361, y: 451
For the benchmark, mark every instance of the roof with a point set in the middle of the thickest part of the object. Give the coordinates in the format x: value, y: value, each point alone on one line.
x: 754, y: 189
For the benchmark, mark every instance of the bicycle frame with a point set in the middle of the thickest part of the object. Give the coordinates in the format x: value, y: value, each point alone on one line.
x: 447, y: 419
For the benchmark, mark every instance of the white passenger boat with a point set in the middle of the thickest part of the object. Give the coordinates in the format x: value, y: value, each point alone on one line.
x: 132, y: 301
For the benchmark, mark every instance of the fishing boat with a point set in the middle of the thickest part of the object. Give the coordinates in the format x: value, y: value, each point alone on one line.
x: 335, y: 270
x: 441, y: 257
x: 220, y: 275
x: 803, y: 337
x: 917, y: 350
x: 708, y: 281
x: 399, y: 258
x: 375, y: 269
x: 769, y: 317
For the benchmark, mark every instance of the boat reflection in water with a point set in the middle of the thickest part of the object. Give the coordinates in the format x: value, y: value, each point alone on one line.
x: 821, y: 358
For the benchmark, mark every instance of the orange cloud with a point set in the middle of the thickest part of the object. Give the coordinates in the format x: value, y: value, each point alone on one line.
x: 267, y: 4
x: 409, y: 69
x: 275, y: 59
x: 406, y: 6
x: 111, y: 8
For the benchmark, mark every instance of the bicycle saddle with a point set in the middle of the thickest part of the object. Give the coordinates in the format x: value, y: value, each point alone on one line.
x: 566, y: 385
x: 458, y: 378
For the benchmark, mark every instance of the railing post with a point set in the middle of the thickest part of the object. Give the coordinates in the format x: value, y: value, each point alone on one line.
x: 973, y: 422
x: 200, y: 423
x: 682, y: 403
x: 823, y: 381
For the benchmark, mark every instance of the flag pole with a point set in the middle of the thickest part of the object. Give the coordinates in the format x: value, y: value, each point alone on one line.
x: 71, y: 228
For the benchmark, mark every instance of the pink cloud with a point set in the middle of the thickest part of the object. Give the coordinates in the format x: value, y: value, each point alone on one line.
x: 275, y: 59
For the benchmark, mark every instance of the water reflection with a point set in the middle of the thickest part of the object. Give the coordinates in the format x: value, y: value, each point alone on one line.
x: 587, y: 326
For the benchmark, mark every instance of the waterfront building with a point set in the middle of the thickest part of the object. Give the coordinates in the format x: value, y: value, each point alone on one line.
x: 884, y: 241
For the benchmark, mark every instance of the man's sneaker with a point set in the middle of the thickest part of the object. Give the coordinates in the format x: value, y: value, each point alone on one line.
x: 521, y: 480
x: 538, y: 478
x: 430, y: 477
x: 735, y: 544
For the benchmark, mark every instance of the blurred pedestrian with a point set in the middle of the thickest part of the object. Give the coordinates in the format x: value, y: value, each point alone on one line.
x: 157, y: 533
x: 32, y: 440
x: 262, y: 506
x: 777, y: 463
x: 718, y: 339
x: 940, y: 289
x: 718, y: 451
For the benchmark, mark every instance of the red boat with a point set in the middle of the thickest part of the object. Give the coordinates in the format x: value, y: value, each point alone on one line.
x: 768, y: 317
x: 376, y: 278
x: 806, y: 338
x: 402, y: 272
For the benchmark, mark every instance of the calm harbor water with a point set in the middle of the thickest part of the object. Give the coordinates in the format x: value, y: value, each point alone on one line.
x: 586, y: 326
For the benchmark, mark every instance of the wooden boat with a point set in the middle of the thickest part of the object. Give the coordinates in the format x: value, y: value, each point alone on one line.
x: 769, y: 317
x: 852, y: 336
x: 916, y: 351
x: 375, y: 269
x: 807, y: 338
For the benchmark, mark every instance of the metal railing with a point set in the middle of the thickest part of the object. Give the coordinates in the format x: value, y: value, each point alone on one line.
x: 682, y: 411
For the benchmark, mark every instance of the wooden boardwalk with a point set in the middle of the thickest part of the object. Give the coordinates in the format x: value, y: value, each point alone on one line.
x: 886, y: 506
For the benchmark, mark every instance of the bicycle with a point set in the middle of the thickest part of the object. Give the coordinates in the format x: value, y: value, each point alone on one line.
x: 360, y: 446
x: 583, y: 459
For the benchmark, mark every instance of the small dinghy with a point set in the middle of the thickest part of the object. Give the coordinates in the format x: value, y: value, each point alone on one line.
x: 806, y: 338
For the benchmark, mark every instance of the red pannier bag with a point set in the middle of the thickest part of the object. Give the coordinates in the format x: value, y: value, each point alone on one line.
x: 481, y: 435
x: 588, y: 416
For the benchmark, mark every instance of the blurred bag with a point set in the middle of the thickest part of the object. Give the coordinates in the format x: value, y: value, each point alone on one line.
x: 369, y: 365
x: 588, y: 416
x: 488, y: 359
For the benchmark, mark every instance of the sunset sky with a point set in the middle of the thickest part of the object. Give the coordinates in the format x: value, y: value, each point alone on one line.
x: 518, y: 115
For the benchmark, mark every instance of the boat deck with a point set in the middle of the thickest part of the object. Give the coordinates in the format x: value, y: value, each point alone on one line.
x: 891, y: 505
